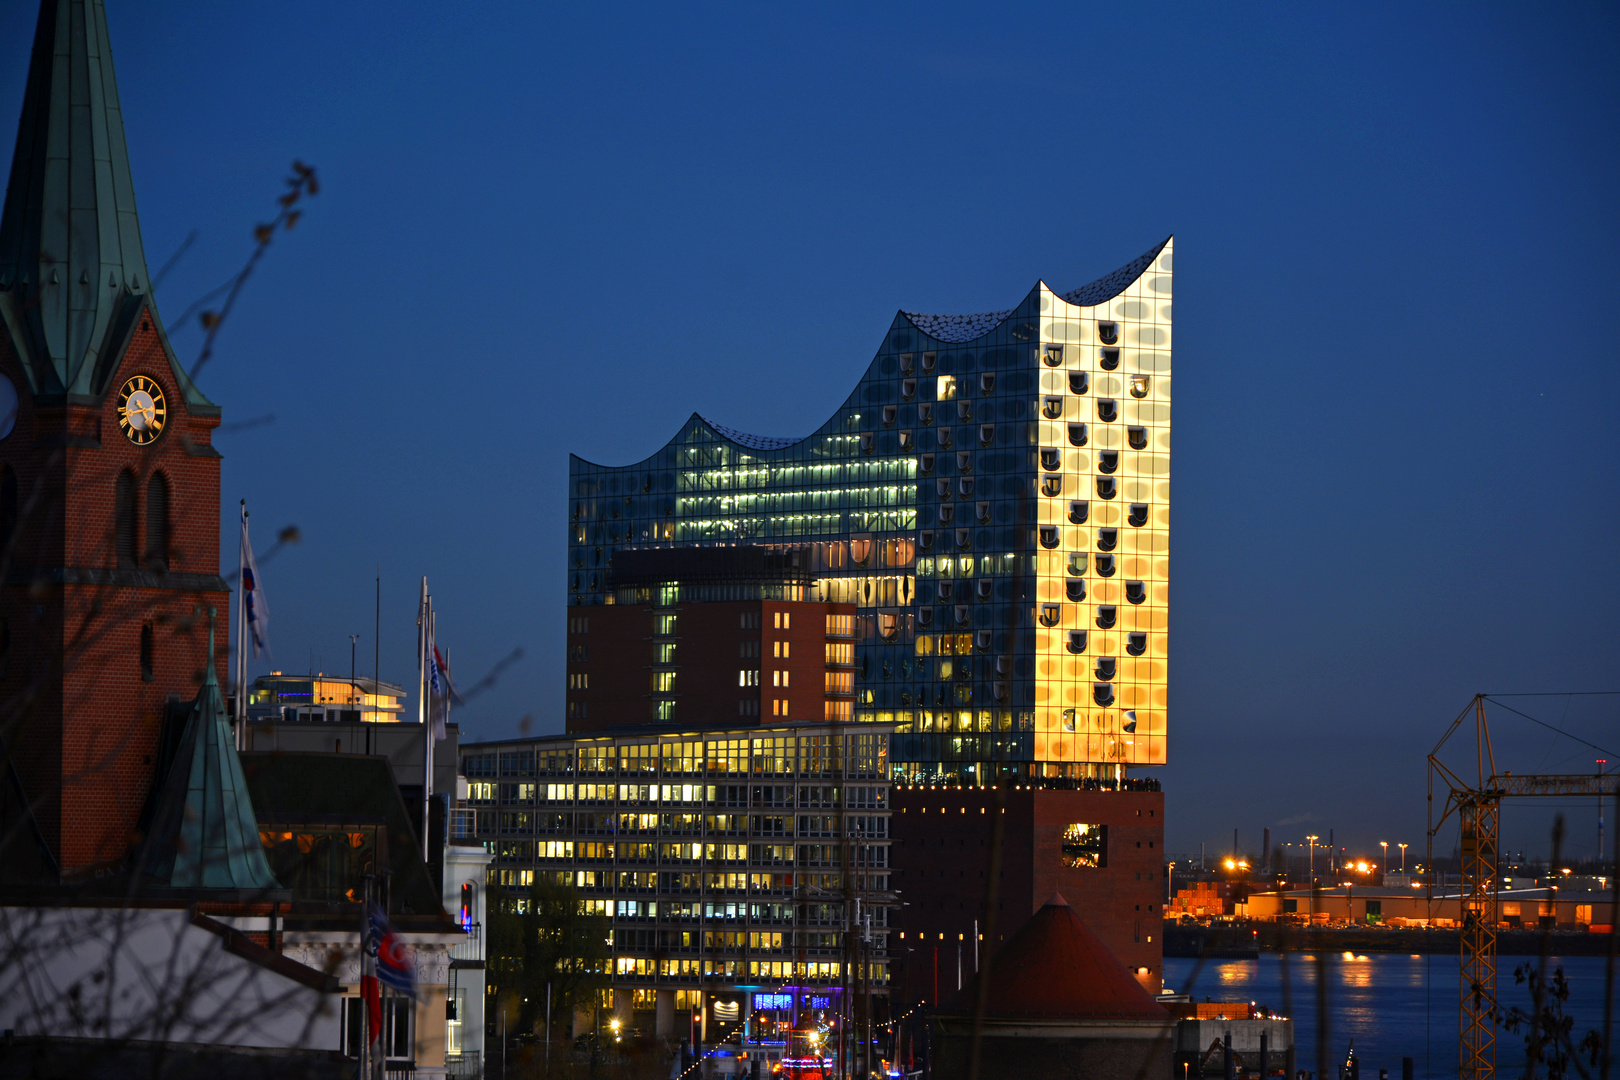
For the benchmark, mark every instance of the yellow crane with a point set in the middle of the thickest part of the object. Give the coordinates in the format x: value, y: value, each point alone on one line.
x: 1478, y: 808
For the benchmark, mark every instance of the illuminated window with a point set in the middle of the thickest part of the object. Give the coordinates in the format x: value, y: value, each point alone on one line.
x: 1085, y: 846
x: 779, y: 678
x: 1135, y: 592
x: 1077, y: 434
x: 748, y: 677
x: 1105, y: 565
x: 1079, y: 382
x: 1139, y: 386
x: 1068, y: 719
x: 1137, y: 644
x: 1106, y: 614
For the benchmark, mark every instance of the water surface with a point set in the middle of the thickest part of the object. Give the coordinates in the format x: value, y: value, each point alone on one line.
x: 1392, y: 1005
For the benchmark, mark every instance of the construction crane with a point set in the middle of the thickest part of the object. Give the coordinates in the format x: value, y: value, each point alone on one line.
x: 1478, y: 808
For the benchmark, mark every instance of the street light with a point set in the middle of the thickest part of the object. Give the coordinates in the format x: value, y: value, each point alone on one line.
x: 1403, y: 858
x: 1312, y: 856
x: 1385, y: 862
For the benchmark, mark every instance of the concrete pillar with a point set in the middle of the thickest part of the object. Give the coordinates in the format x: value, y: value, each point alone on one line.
x: 665, y: 1023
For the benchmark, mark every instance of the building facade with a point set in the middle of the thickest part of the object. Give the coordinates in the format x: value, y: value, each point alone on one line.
x: 993, y: 499
x: 731, y: 862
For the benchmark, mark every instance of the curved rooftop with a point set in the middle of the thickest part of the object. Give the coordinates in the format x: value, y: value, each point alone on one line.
x: 751, y: 442
x: 955, y: 329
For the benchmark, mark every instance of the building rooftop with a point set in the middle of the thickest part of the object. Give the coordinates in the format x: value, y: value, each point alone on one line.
x: 652, y: 731
x: 955, y: 329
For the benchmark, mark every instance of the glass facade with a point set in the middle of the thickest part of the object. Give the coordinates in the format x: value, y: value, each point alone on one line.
x: 994, y: 499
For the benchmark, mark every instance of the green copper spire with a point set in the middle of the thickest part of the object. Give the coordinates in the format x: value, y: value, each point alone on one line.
x: 73, y: 275
x: 205, y: 834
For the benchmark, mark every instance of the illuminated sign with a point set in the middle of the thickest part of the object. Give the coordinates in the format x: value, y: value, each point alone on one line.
x: 821, y: 1003
x: 773, y: 1001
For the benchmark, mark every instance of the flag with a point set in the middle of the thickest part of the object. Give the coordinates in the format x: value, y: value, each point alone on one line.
x: 255, y: 612
x: 441, y: 691
x: 369, y: 990
x: 436, y: 701
x: 394, y: 966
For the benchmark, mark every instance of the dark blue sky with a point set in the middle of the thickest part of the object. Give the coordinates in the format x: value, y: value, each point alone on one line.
x: 546, y: 230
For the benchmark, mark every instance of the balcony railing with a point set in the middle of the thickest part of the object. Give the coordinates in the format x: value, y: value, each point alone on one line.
x: 469, y: 952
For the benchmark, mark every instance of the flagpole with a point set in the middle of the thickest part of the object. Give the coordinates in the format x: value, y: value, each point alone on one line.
x: 423, y: 608
x: 241, y: 624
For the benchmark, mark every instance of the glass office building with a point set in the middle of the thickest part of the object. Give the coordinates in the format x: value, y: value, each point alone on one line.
x: 994, y: 499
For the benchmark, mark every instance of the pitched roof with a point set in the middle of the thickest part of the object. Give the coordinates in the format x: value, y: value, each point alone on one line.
x: 1055, y: 967
x: 205, y: 834
x: 307, y: 788
x: 73, y: 277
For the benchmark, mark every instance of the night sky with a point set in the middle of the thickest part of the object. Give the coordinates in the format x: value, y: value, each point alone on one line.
x: 545, y: 230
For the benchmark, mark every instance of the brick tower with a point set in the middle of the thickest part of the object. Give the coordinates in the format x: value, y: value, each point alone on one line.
x: 109, y: 487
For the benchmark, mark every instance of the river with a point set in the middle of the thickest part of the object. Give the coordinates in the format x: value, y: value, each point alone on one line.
x: 1392, y: 1005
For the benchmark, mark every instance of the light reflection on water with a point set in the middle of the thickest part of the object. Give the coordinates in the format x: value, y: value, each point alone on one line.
x: 1392, y: 1005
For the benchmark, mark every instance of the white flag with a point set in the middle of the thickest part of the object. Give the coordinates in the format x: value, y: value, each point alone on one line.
x: 256, y: 613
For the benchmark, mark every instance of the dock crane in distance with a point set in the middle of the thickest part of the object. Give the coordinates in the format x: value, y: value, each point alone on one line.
x: 1478, y: 807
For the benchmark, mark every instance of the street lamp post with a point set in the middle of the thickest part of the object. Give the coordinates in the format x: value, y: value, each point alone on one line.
x: 1383, y: 867
x: 1403, y: 858
x: 1170, y: 884
x: 1312, y: 856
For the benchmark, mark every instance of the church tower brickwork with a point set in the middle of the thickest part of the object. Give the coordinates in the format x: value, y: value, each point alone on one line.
x: 109, y: 484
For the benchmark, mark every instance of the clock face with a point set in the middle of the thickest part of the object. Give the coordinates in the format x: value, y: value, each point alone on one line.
x: 142, y: 410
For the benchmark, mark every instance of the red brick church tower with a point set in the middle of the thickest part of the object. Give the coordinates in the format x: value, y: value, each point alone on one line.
x: 109, y: 487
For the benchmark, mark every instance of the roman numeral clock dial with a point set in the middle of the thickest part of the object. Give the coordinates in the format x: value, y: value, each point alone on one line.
x: 142, y: 410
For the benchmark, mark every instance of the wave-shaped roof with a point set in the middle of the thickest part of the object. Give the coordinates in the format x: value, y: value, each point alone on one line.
x: 752, y: 442
x: 954, y: 329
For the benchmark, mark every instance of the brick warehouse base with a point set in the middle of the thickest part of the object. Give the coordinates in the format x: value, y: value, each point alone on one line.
x: 941, y: 855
